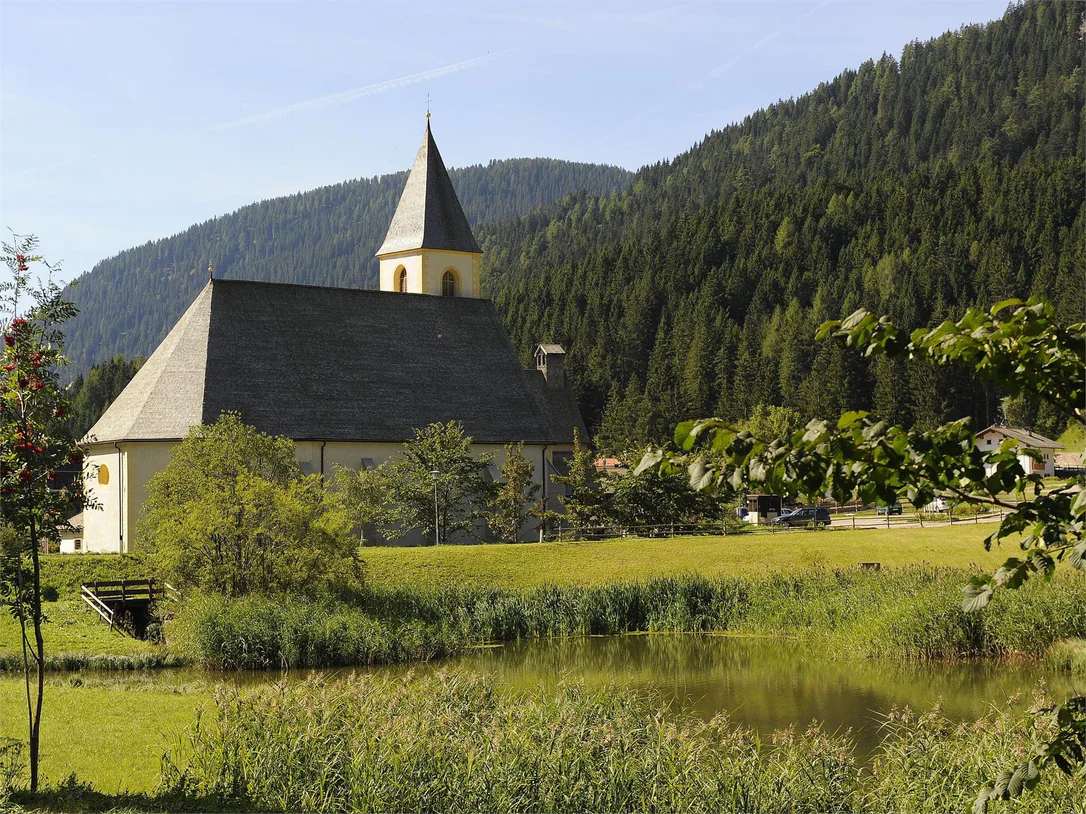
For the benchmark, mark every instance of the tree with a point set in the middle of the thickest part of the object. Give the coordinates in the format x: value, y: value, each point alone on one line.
x: 231, y: 513
x: 460, y: 484
x: 769, y: 421
x: 583, y: 499
x: 654, y: 498
x: 514, y: 500
x: 1027, y: 354
x: 32, y: 450
x: 362, y: 495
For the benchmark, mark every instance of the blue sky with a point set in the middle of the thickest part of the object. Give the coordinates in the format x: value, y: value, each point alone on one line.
x: 125, y: 122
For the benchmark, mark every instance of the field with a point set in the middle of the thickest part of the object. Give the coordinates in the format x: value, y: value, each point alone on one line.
x: 589, y: 563
x: 109, y: 729
x: 74, y: 629
x: 94, y: 719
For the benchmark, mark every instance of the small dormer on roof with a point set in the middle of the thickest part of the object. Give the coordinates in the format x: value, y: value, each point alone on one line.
x: 429, y: 247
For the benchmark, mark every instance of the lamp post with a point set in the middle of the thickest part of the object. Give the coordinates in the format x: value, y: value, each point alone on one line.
x: 435, y: 474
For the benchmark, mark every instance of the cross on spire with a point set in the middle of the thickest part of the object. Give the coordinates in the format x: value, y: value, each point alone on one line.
x: 427, y: 105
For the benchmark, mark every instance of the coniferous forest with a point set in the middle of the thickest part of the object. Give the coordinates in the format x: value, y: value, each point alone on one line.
x: 914, y: 187
x: 326, y: 236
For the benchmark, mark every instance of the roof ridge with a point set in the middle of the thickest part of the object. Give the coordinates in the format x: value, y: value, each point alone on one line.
x: 370, y: 291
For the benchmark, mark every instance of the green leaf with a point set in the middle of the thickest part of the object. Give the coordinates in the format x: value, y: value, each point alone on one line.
x: 850, y: 418
x: 1077, y: 557
x: 977, y: 594
x: 683, y: 439
x: 999, y: 306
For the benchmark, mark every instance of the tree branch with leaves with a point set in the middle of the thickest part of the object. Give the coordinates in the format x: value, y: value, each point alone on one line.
x: 1017, y: 346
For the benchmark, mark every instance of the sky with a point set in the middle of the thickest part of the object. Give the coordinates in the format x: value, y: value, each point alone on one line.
x: 126, y: 122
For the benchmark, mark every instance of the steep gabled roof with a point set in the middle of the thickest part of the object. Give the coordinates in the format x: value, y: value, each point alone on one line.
x: 165, y: 397
x: 337, y: 364
x: 429, y: 215
x: 1026, y: 437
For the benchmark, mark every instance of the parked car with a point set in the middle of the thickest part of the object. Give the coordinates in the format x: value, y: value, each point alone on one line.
x: 803, y: 516
x: 940, y: 504
x: 893, y: 508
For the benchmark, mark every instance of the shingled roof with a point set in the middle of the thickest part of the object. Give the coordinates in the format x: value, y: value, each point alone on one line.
x: 337, y: 364
x: 1026, y: 437
x: 429, y: 215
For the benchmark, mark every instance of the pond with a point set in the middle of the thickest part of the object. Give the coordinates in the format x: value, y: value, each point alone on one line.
x: 771, y: 683
x: 112, y: 729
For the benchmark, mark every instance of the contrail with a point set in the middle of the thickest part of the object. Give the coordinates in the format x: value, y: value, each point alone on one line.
x: 357, y: 93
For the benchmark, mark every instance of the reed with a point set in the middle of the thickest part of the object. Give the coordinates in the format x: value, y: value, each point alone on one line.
x: 450, y: 742
x: 1068, y: 655
x: 910, y: 613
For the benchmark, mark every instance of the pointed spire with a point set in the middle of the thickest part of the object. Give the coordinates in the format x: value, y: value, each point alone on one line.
x: 429, y: 215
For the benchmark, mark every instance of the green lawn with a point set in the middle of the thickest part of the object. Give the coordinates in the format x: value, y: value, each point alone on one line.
x: 72, y: 627
x: 111, y: 732
x: 530, y: 564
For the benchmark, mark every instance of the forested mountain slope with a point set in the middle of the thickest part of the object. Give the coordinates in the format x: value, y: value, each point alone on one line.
x: 915, y: 188
x: 323, y: 237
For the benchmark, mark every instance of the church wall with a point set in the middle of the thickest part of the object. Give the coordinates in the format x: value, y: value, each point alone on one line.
x: 112, y: 529
x: 435, y: 263
x: 425, y: 268
x: 145, y: 460
x: 101, y: 526
x: 389, y: 267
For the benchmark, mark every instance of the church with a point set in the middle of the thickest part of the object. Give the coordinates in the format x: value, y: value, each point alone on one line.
x: 347, y: 374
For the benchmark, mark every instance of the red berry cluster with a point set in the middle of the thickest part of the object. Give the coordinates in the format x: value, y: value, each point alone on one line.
x: 20, y: 259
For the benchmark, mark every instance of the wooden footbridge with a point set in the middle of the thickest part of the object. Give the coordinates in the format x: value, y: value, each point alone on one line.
x: 127, y: 599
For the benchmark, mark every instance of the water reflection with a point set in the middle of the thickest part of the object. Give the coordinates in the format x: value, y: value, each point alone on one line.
x: 764, y: 683
x: 768, y: 683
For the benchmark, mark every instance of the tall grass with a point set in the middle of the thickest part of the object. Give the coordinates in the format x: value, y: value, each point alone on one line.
x: 453, y: 743
x: 912, y: 613
x: 1068, y: 655
x: 259, y: 632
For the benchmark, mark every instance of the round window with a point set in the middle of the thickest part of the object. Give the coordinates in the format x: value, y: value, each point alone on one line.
x: 103, y: 475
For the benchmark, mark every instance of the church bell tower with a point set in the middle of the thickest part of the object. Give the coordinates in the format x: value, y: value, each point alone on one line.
x: 429, y: 248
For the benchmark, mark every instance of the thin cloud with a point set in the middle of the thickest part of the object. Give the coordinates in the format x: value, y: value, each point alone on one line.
x: 351, y: 95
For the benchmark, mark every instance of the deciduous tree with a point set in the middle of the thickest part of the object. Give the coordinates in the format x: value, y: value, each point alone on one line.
x: 32, y: 452
x: 231, y: 513
x: 462, y: 489
x: 515, y: 498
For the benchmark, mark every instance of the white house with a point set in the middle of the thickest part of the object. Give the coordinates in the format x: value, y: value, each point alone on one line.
x: 990, y: 439
x: 348, y: 374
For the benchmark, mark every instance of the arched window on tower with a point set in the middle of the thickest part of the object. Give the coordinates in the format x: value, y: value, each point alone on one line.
x: 401, y: 282
x: 448, y: 284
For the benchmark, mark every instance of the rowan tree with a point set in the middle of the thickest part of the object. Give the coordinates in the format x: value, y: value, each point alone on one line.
x: 33, y: 451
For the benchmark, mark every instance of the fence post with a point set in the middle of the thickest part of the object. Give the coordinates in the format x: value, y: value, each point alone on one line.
x: 887, y: 517
x: 854, y: 521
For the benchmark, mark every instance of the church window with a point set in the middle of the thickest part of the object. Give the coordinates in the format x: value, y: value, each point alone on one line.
x: 401, y: 280
x: 448, y: 284
x: 103, y: 475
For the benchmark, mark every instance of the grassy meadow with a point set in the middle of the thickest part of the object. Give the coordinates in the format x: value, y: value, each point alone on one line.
x: 109, y: 729
x: 528, y: 565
